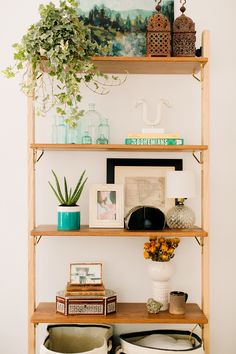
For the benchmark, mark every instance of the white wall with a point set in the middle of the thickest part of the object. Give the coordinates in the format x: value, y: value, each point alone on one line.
x: 55, y: 255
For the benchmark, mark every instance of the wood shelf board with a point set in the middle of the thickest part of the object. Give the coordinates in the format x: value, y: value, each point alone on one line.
x: 117, y: 147
x: 150, y: 65
x: 85, y: 230
x: 126, y: 313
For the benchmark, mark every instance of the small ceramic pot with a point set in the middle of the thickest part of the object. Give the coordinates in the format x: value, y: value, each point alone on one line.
x: 68, y: 217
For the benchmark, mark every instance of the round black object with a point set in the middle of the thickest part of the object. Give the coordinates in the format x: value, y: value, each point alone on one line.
x: 145, y: 218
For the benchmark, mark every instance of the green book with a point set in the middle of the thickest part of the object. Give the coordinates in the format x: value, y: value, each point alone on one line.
x: 153, y: 141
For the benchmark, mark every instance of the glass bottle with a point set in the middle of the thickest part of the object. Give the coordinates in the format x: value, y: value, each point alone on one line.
x: 79, y: 131
x: 90, y: 122
x: 103, y: 132
x: 54, y: 133
x: 86, y: 138
x: 72, y: 135
x: 59, y: 131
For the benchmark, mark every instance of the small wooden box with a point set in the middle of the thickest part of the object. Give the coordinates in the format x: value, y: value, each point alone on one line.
x: 86, y: 305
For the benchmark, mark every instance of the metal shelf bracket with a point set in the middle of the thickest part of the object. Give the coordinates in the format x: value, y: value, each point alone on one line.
x: 37, y: 240
x: 36, y: 157
x: 201, y: 79
x: 200, y: 242
x: 200, y: 161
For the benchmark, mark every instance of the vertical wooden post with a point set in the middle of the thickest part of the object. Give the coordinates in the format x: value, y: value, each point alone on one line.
x: 31, y: 224
x: 205, y: 108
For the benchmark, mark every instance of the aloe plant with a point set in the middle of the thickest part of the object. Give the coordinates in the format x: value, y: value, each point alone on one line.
x: 69, y: 197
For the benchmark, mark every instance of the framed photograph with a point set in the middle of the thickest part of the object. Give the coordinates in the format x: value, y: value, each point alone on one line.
x: 144, y: 181
x: 106, y: 205
x: 86, y: 273
x: 122, y: 22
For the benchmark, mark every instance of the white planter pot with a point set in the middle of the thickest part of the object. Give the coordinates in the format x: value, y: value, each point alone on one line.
x: 77, y: 339
x: 160, y: 273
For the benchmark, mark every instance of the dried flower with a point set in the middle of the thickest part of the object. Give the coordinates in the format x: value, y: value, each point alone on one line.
x: 161, y: 250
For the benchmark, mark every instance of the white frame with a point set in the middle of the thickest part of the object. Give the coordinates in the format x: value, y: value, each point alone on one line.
x: 94, y: 220
x: 95, y: 268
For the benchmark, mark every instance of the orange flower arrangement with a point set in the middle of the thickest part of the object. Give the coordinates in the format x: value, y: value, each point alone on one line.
x: 161, y: 250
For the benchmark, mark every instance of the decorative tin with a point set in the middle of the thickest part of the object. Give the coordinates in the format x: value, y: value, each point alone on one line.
x: 86, y: 305
x: 158, y: 37
x: 184, y: 35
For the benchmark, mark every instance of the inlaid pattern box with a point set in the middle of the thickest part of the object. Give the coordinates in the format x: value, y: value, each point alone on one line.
x: 86, y: 305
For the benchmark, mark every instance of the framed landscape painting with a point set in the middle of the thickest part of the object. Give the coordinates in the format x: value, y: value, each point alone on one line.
x: 123, y: 23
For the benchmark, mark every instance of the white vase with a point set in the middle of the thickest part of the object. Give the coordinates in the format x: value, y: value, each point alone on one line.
x: 160, y: 273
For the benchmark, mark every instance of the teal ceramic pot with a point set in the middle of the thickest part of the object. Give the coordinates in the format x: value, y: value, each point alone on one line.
x: 68, y: 217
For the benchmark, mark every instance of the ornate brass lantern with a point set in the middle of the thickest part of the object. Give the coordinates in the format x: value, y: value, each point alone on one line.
x: 184, y: 35
x: 158, y: 37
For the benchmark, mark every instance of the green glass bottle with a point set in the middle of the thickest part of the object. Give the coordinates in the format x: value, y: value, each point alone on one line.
x: 86, y: 138
x: 103, y: 132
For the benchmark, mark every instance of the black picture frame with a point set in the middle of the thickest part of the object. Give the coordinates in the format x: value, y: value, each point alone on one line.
x: 142, y: 188
x: 113, y: 162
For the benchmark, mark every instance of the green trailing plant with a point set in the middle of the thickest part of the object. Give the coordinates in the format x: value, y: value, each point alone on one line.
x: 55, y: 58
x: 69, y: 197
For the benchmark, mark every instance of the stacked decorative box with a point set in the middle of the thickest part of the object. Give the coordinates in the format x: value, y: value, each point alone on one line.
x: 85, y: 298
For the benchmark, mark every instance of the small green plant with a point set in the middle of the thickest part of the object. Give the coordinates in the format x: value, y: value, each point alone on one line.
x: 69, y: 198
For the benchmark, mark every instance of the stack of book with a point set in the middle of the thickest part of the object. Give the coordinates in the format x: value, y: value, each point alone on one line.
x: 85, y: 299
x: 84, y: 289
x: 154, y: 139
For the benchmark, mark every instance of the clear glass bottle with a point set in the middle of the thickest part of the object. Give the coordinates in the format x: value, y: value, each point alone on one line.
x: 59, y: 131
x: 79, y: 131
x: 72, y: 135
x: 103, y: 132
x: 90, y: 122
x: 86, y: 138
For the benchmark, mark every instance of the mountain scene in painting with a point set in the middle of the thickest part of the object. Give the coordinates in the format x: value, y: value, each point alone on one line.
x: 123, y: 23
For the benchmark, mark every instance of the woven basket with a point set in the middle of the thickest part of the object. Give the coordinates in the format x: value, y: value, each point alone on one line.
x: 77, y: 339
x: 131, y: 342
